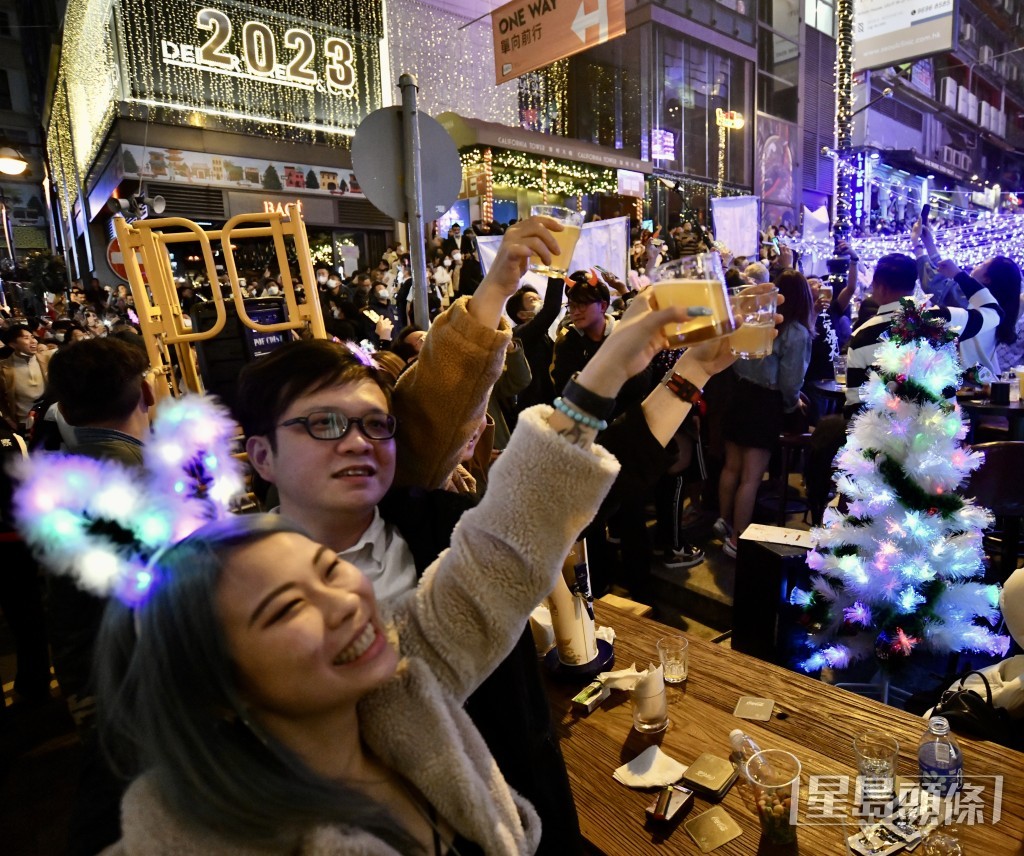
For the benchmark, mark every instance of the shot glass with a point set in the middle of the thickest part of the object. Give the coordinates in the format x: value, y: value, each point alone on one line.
x: 650, y: 708
x: 696, y: 283
x: 774, y: 777
x: 839, y: 367
x: 876, y: 755
x: 572, y: 222
x: 675, y: 658
x: 756, y: 312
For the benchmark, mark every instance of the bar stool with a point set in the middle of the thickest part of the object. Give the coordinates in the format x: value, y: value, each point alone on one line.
x: 789, y: 444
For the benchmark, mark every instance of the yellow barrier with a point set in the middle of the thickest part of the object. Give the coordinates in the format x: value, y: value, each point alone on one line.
x: 156, y: 298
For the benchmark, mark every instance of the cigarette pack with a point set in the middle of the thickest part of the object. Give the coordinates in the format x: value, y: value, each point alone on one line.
x: 590, y: 697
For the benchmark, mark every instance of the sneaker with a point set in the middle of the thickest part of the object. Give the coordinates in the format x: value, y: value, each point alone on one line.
x: 729, y: 549
x: 722, y: 529
x: 685, y: 557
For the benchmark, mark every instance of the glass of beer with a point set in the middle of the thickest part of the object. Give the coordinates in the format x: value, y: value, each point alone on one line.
x: 698, y: 284
x: 571, y: 222
x: 755, y: 312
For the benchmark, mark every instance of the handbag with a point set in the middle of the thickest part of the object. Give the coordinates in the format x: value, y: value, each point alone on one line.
x: 969, y: 713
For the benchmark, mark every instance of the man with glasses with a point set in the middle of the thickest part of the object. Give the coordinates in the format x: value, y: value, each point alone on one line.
x: 360, y: 467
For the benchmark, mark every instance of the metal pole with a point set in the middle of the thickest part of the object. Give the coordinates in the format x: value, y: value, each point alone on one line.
x: 414, y: 199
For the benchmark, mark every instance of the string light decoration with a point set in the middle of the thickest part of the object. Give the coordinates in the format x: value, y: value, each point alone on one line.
x: 968, y: 244
x: 844, y: 115
x: 454, y: 67
x: 564, y: 178
x: 488, y: 206
x: 85, y: 96
x: 899, y: 570
x: 286, y: 69
x: 544, y: 99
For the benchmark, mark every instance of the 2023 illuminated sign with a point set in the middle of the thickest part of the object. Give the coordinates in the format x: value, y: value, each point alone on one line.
x: 295, y: 62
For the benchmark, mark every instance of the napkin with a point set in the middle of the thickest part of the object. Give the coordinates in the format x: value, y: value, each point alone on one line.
x: 605, y: 633
x: 652, y: 768
x: 622, y: 679
x: 543, y: 632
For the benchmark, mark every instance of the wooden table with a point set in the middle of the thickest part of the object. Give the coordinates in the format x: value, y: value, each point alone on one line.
x: 831, y: 394
x: 1014, y: 412
x: 815, y: 721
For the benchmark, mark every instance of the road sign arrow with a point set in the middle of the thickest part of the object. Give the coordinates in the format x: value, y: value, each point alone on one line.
x: 585, y: 20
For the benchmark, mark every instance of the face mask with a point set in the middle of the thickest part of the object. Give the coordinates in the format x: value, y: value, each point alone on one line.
x: 59, y: 337
x: 447, y: 262
x: 322, y: 280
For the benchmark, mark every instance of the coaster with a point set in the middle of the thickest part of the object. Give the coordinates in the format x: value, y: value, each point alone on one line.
x: 752, y: 707
x: 712, y: 829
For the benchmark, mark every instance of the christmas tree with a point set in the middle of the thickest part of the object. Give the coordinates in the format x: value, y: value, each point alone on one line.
x: 899, y: 570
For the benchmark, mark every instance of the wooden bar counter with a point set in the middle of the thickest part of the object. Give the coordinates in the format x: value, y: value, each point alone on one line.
x: 813, y: 720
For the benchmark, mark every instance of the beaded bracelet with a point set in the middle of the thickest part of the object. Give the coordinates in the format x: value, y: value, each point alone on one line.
x: 589, y: 402
x: 563, y: 407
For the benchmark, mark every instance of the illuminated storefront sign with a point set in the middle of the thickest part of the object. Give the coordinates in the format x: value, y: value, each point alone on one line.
x: 308, y: 64
x: 859, y: 182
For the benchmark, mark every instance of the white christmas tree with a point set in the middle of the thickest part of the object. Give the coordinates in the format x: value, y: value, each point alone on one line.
x: 899, y: 571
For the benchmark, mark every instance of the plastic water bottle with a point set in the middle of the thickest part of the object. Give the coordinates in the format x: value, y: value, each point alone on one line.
x: 743, y: 748
x: 939, y: 759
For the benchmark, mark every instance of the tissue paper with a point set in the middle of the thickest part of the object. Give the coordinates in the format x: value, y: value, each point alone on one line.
x: 652, y: 768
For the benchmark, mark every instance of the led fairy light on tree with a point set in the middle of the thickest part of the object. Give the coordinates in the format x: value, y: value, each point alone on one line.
x: 899, y: 571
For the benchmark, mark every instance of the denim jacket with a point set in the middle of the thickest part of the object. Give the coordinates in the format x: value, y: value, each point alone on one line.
x: 785, y: 367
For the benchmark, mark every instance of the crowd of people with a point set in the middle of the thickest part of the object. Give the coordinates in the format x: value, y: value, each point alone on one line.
x: 419, y: 489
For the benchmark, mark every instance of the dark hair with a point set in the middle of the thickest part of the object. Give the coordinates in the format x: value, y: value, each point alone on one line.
x: 583, y: 290
x: 799, y: 303
x: 268, y: 386
x: 515, y: 302
x: 15, y: 330
x: 897, y: 272
x: 1004, y: 284
x: 169, y: 705
x: 97, y: 380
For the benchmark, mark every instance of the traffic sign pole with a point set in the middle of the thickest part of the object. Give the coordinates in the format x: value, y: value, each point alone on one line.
x: 414, y: 199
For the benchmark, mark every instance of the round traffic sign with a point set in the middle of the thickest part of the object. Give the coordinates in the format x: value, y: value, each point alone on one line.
x: 379, y: 164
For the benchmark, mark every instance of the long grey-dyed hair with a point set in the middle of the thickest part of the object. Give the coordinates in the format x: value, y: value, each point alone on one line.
x: 169, y: 706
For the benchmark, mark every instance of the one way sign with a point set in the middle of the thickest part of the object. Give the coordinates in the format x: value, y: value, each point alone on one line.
x: 529, y: 34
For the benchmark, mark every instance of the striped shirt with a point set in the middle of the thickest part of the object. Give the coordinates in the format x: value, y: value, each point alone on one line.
x: 860, y: 358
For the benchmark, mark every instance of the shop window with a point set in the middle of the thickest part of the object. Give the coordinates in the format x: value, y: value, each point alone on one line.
x: 821, y: 14
x: 783, y: 16
x: 695, y: 82
x: 777, y: 97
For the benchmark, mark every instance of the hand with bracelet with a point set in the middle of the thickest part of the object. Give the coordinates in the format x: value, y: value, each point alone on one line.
x: 626, y: 352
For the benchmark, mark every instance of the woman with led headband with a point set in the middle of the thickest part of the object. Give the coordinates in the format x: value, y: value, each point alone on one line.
x: 269, y: 702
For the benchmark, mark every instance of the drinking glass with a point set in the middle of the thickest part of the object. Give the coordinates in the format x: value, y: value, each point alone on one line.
x: 756, y: 312
x: 839, y: 366
x: 675, y: 658
x: 774, y: 776
x: 571, y: 222
x: 650, y: 708
x: 697, y: 284
x: 876, y: 764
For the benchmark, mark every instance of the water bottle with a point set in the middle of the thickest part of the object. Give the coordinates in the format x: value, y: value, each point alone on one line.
x: 743, y: 748
x: 939, y: 759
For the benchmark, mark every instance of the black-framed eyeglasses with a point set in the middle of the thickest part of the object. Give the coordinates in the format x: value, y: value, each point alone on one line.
x: 333, y: 425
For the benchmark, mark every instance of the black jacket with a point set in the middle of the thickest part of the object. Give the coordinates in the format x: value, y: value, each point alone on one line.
x: 510, y: 708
